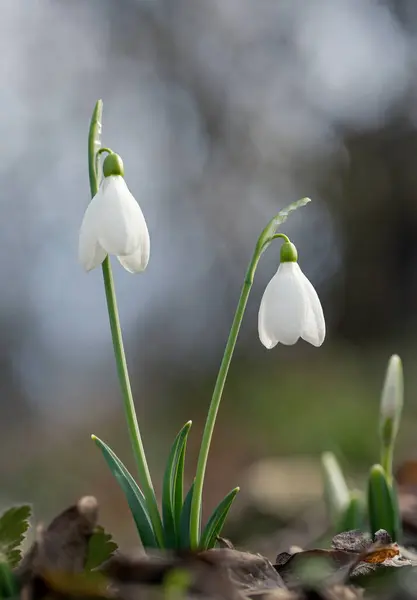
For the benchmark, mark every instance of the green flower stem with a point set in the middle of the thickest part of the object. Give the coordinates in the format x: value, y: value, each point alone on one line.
x: 119, y: 353
x: 387, y: 456
x: 195, y: 515
x: 131, y: 418
x: 98, y: 153
x: 282, y: 236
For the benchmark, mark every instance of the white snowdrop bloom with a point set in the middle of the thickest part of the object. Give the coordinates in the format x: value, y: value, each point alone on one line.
x: 114, y: 224
x: 290, y: 307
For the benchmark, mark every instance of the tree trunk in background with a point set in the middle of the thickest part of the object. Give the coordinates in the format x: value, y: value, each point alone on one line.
x: 376, y: 214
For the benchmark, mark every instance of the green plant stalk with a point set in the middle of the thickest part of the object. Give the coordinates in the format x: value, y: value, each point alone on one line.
x: 387, y: 457
x: 119, y: 353
x: 195, y: 516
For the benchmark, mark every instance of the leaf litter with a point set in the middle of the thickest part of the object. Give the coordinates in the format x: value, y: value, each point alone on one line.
x: 74, y: 558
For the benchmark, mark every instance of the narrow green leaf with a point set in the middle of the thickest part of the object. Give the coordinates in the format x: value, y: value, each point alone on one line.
x: 172, y: 490
x: 13, y: 525
x: 133, y: 494
x: 382, y: 507
x: 179, y: 490
x: 354, y: 514
x: 101, y: 547
x: 184, y: 533
x: 336, y: 491
x: 270, y: 230
x: 216, y: 521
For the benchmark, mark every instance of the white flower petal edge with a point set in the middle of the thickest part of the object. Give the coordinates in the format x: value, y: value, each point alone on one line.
x: 282, y: 310
x: 314, y: 330
x: 138, y: 261
x: 121, y: 225
x: 290, y: 309
x: 90, y: 253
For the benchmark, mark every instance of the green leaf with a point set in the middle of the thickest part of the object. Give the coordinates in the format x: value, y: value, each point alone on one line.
x: 13, y: 525
x: 100, y: 548
x: 184, y: 533
x: 336, y: 491
x: 179, y: 490
x: 267, y: 234
x: 172, y: 490
x: 397, y: 513
x: 216, y: 521
x: 8, y: 583
x: 382, y: 505
x: 354, y: 514
x: 133, y: 494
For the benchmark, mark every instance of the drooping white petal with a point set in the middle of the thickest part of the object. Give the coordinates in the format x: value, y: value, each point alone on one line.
x: 90, y: 253
x: 283, y: 307
x: 314, y: 329
x: 138, y: 261
x: 121, y: 225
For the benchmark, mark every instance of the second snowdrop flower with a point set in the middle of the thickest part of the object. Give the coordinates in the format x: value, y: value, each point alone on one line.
x: 114, y: 223
x: 290, y: 307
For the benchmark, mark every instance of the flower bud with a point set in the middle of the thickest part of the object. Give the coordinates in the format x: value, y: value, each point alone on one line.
x: 391, y: 401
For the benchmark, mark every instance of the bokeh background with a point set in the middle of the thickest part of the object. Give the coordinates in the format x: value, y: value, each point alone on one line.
x: 224, y: 112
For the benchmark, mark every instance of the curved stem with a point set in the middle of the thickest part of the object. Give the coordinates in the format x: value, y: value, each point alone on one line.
x: 98, y: 153
x: 104, y: 149
x: 196, y: 504
x: 282, y: 236
x: 119, y: 353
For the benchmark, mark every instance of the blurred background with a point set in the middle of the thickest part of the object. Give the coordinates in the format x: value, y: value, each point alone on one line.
x: 224, y: 111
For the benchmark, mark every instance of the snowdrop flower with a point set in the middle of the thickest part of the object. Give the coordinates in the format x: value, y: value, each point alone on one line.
x: 114, y: 223
x: 290, y: 307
